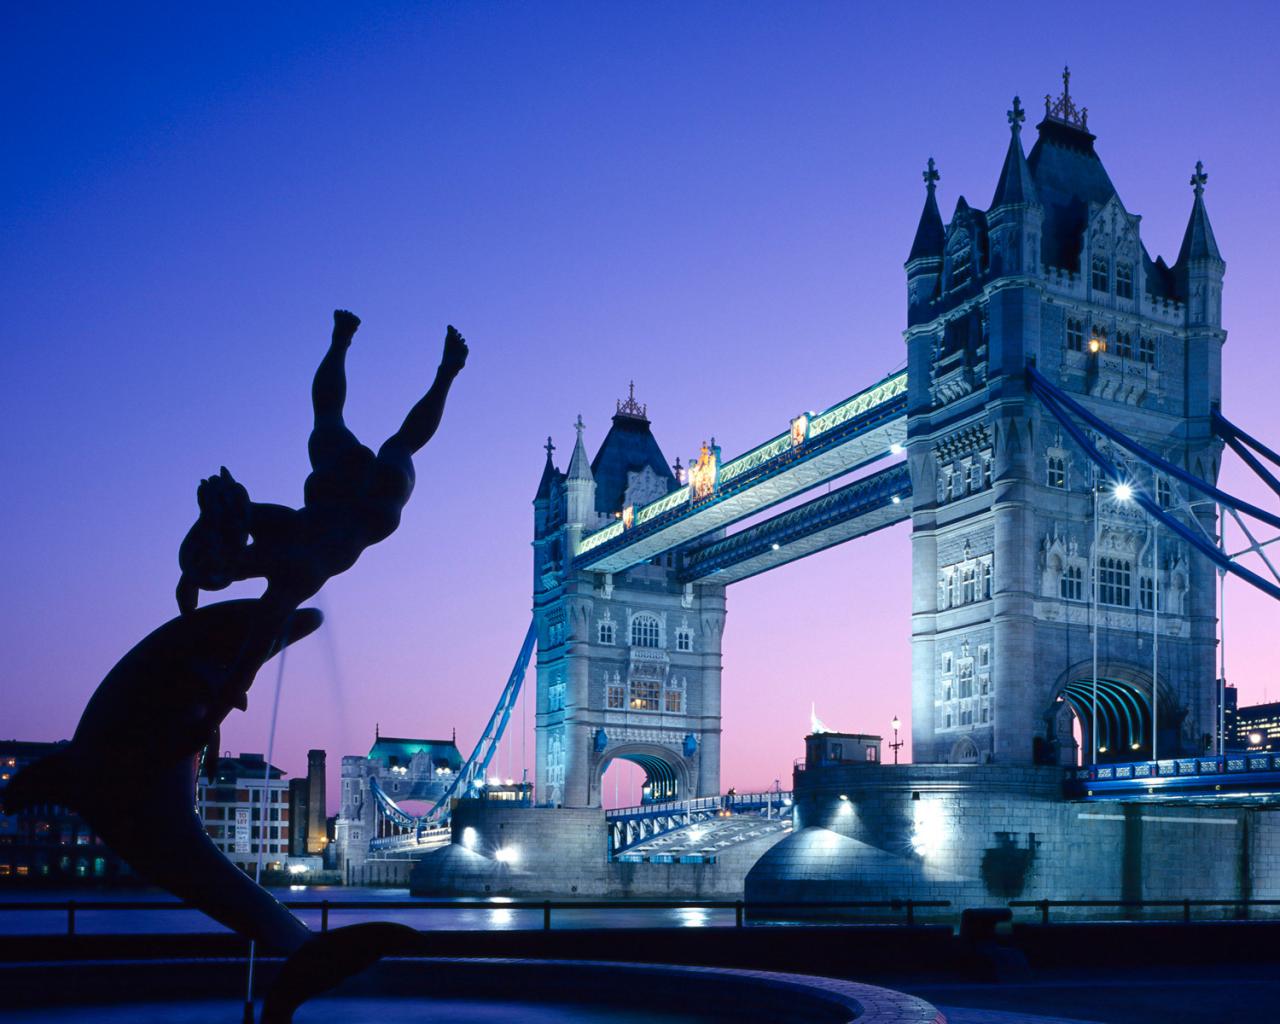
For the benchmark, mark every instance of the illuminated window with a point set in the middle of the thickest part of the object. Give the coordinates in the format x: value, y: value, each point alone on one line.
x: 1147, y: 351
x: 1098, y: 339
x: 673, y: 699
x: 1101, y: 276
x: 1124, y: 280
x: 684, y: 640
x: 605, y: 631
x: 1115, y: 582
x: 1075, y: 335
x: 1058, y: 472
x: 646, y: 695
x: 1071, y: 585
x: 644, y: 631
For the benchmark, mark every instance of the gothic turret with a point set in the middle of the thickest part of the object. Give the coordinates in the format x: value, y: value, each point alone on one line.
x: 1015, y: 218
x: 580, y: 485
x: 1015, y: 186
x: 1199, y: 267
x: 924, y: 265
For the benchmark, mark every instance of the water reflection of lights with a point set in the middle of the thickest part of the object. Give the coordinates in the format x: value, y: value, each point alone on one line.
x: 502, y: 917
x: 693, y: 917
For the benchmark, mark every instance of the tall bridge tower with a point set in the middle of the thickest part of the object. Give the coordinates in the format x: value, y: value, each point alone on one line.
x: 1007, y: 526
x: 629, y: 662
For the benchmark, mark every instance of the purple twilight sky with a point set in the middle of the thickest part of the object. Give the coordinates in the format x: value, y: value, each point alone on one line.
x: 712, y: 199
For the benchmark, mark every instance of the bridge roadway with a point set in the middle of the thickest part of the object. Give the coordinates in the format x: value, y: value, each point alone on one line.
x: 818, y: 448
x: 1238, y: 773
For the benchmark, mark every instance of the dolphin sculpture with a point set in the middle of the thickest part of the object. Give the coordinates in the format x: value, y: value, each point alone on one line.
x: 164, y: 701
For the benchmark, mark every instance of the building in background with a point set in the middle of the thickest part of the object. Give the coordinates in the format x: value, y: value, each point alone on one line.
x: 1257, y: 727
x: 49, y: 844
x: 308, y: 825
x: 232, y: 809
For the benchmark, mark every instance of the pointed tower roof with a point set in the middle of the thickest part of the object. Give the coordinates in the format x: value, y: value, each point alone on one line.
x: 930, y: 234
x: 579, y: 467
x: 550, y: 475
x: 1016, y: 185
x: 1198, y: 242
x: 628, y: 448
x: 1068, y: 176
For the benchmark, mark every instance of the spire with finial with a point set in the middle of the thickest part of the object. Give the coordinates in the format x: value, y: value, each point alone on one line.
x: 549, y: 473
x: 579, y: 465
x: 1063, y: 109
x: 1198, y: 242
x: 1015, y: 185
x: 1016, y: 116
x: 630, y: 407
x: 930, y: 234
x: 1199, y: 179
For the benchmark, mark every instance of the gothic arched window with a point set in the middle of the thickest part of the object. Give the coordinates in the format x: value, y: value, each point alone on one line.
x: 1071, y: 584
x: 1124, y: 344
x: 1147, y: 351
x: 644, y: 631
x: 1057, y: 472
x: 1124, y: 280
x: 606, y: 631
x: 1101, y: 274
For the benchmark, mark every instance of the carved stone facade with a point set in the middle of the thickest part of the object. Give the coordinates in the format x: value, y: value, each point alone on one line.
x: 1055, y: 273
x: 628, y: 663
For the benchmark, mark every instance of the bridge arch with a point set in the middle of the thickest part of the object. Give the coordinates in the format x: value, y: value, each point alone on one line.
x: 668, y: 775
x: 1124, y: 716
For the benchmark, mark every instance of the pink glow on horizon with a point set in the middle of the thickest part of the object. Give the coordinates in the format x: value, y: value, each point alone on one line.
x: 718, y: 209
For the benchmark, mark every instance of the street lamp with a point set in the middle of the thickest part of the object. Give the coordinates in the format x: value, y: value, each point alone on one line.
x: 896, y: 724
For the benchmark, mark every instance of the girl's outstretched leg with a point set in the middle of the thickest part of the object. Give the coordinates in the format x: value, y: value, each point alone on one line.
x: 329, y: 391
x: 424, y: 418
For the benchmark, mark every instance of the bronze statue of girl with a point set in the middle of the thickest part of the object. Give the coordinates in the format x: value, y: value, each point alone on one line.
x: 351, y: 500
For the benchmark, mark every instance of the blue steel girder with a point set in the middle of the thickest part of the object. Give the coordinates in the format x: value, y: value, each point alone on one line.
x: 850, y: 434
x: 854, y: 510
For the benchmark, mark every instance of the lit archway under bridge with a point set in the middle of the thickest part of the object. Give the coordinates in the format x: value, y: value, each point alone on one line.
x: 1124, y: 718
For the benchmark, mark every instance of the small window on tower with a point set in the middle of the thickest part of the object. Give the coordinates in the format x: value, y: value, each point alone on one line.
x: 1124, y: 344
x: 1147, y: 351
x: 606, y: 632
x: 1101, y: 275
x: 1075, y: 335
x: 684, y: 640
x: 1057, y: 472
x: 1164, y: 492
x: 1124, y: 280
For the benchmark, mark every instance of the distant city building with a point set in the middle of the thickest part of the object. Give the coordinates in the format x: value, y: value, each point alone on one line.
x: 1257, y: 727
x: 231, y: 808
x: 416, y: 772
x: 1230, y: 708
x: 48, y: 844
x: 308, y: 826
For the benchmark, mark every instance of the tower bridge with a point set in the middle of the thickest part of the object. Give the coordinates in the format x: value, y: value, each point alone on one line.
x: 1055, y: 442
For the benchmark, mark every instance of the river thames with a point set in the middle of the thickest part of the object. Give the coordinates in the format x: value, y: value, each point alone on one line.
x: 462, y: 915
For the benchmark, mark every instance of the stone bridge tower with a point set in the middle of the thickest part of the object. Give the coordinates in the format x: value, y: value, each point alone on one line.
x: 1055, y: 272
x: 628, y: 663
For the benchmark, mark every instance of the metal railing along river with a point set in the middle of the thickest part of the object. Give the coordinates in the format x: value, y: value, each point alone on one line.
x: 907, y: 907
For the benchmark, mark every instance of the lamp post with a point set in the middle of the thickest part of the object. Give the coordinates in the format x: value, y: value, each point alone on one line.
x: 896, y: 745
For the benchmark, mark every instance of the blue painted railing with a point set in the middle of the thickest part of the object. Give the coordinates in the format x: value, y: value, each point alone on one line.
x: 1237, y: 770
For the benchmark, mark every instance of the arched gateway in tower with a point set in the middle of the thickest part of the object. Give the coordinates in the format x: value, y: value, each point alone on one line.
x: 629, y: 662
